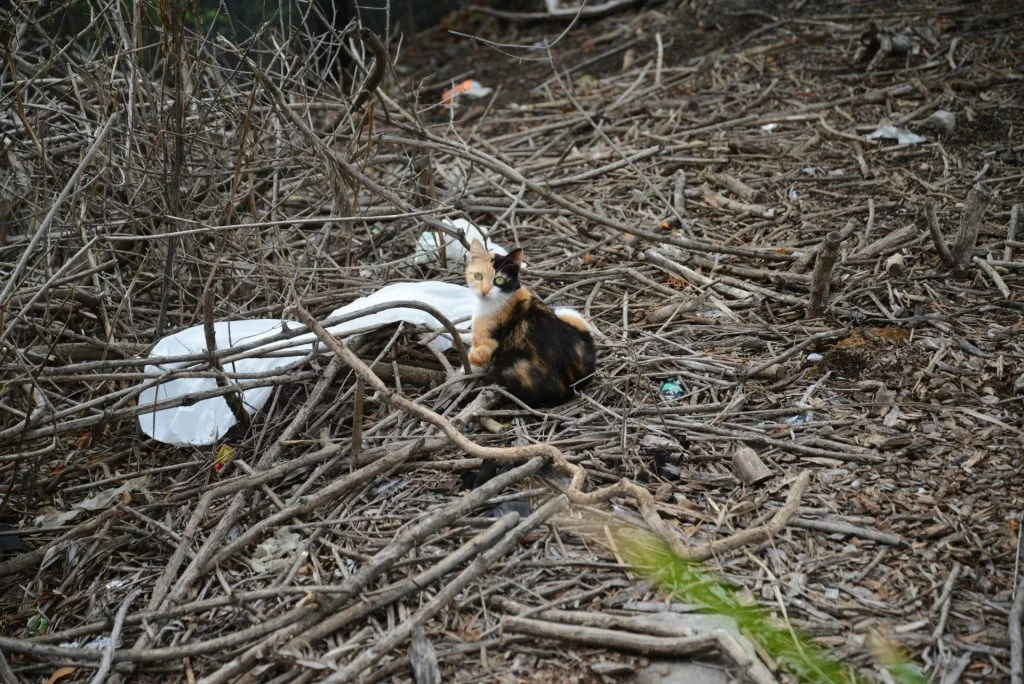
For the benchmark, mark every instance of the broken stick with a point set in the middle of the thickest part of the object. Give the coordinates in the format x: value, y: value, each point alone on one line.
x: 1011, y: 233
x: 749, y: 465
x: 970, y: 224
x: 936, y: 233
x: 821, y: 277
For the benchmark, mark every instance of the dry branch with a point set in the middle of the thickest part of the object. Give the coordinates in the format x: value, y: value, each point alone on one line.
x: 1016, y: 619
x: 937, y: 239
x: 945, y: 601
x: 405, y: 588
x: 610, y: 638
x: 423, y: 658
x: 810, y: 254
x: 233, y: 398
x: 1016, y: 638
x: 400, y: 634
x: 584, y: 11
x: 821, y: 277
x: 115, y: 639
x: 837, y: 527
x: 287, y: 631
x: 14, y: 277
x: 1011, y: 232
x: 993, y: 274
x: 734, y: 185
x: 380, y: 67
x: 31, y: 559
x: 646, y: 644
x: 970, y: 223
x: 887, y: 244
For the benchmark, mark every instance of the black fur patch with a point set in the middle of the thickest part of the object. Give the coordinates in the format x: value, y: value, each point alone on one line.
x: 505, y: 265
x: 557, y: 355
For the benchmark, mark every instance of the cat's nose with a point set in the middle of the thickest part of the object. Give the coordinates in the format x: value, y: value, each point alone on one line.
x: 484, y: 289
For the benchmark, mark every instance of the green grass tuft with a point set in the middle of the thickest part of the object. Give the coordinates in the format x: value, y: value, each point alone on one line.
x: 793, y: 652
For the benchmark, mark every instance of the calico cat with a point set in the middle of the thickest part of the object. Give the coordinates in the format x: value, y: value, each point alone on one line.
x: 536, y: 353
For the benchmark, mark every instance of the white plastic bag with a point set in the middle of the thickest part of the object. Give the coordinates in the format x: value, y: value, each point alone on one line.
x: 427, y: 246
x: 207, y: 420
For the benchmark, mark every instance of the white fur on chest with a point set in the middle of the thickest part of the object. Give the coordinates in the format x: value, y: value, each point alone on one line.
x: 491, y: 304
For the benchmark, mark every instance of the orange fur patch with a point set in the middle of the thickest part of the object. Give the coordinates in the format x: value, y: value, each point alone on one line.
x: 523, y: 371
x: 574, y: 319
x: 481, y: 352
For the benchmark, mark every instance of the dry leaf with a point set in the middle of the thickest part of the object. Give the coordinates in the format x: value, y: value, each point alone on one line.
x: 60, y: 673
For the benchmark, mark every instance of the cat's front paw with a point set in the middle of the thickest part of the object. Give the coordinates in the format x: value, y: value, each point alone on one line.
x: 479, y: 358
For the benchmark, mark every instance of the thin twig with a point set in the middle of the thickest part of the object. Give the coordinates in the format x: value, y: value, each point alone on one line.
x: 380, y: 66
x: 115, y: 638
x: 234, y: 398
x: 365, y: 659
x: 937, y: 239
x: 14, y: 277
x: 1016, y: 624
x: 1011, y: 232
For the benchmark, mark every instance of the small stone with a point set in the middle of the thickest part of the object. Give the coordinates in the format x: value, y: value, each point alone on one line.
x: 940, y: 120
x: 901, y: 42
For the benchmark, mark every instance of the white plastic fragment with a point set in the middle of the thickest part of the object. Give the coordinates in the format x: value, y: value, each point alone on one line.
x: 99, y: 643
x: 769, y: 127
x: 427, y: 246
x: 891, y: 132
x: 207, y: 420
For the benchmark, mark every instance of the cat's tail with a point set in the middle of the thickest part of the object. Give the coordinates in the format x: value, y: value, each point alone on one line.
x: 573, y: 318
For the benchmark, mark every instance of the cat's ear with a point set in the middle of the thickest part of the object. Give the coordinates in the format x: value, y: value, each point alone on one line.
x: 477, y: 250
x: 516, y: 255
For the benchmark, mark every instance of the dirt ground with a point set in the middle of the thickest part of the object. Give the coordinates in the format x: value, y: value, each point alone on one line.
x: 675, y: 172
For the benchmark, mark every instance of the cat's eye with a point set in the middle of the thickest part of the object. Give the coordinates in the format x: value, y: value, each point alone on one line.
x: 500, y: 280
x: 478, y: 276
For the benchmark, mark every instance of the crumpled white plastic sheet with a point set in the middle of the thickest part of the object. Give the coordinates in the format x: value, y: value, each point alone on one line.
x: 207, y: 420
x: 427, y: 245
x: 901, y: 135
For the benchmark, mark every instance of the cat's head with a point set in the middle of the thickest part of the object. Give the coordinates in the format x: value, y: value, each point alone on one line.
x: 493, y: 276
